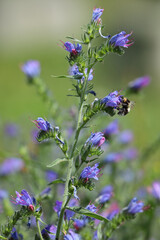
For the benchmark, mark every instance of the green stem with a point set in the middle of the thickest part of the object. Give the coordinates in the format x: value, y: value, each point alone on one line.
x: 39, y: 230
x: 1, y: 237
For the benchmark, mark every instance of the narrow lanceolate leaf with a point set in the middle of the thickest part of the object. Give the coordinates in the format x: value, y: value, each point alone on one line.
x: 75, y: 39
x: 63, y: 76
x: 88, y: 213
x: 57, y: 181
x: 57, y: 161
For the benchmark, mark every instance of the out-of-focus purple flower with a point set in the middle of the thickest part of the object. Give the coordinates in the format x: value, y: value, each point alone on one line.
x: 68, y: 213
x: 111, y: 129
x: 105, y: 194
x: 72, y: 236
x: 121, y: 40
x: 11, y: 165
x: 42, y: 124
x: 24, y: 199
x: 125, y: 137
x: 3, y: 194
x: 57, y: 207
x: 139, y: 83
x: 31, y: 68
x: 51, y: 175
x: 112, y: 211
x: 49, y: 229
x: 72, y: 48
x: 96, y: 139
x: 135, y: 206
x: 130, y: 153
x: 95, y: 236
x: 92, y: 208
x: 113, y: 99
x: 12, y: 130
x: 97, y: 12
x: 113, y: 157
x: 90, y: 75
x: 155, y: 190
x: 79, y: 224
x: 90, y: 172
x: 46, y: 191
x: 15, y: 235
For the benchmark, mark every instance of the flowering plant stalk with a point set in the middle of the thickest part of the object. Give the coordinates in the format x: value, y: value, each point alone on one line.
x: 72, y: 217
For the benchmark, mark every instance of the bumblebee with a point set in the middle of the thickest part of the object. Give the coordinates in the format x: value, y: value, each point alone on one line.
x: 125, y: 107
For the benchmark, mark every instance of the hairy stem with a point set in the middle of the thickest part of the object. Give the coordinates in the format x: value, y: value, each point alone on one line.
x: 39, y: 230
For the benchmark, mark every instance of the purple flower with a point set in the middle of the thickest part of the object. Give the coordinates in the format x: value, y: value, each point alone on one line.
x: 46, y: 191
x: 125, y: 137
x: 156, y: 190
x: 15, y: 235
x: 113, y: 100
x: 90, y: 172
x: 79, y: 223
x: 105, y: 195
x: 11, y: 165
x: 24, y: 199
x: 139, y: 83
x: 97, y: 12
x: 51, y: 175
x: 72, y: 236
x: 113, y: 157
x: 135, y: 206
x: 42, y: 124
x: 74, y: 71
x: 57, y: 207
x: 72, y: 48
x: 111, y: 129
x: 11, y: 130
x: 3, y: 194
x: 130, y: 153
x: 96, y: 139
x: 68, y: 213
x: 121, y: 40
x: 49, y: 229
x: 92, y: 208
x: 112, y: 211
x: 31, y: 68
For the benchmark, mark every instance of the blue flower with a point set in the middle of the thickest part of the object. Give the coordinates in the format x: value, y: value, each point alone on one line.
x: 31, y: 68
x: 105, y: 195
x: 125, y: 137
x: 74, y: 71
x: 139, y: 83
x: 72, y: 48
x: 96, y: 139
x: 113, y: 100
x: 135, y: 206
x: 79, y: 223
x: 51, y: 175
x: 47, y: 230
x: 68, y: 213
x: 11, y: 165
x: 90, y: 172
x: 121, y: 40
x: 3, y: 194
x: 111, y: 129
x: 113, y: 157
x: 15, y: 235
x: 46, y: 191
x: 11, y: 130
x: 72, y: 236
x: 24, y: 199
x: 42, y: 124
x: 97, y: 12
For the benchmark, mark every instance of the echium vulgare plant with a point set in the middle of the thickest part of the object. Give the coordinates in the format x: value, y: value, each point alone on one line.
x: 74, y: 218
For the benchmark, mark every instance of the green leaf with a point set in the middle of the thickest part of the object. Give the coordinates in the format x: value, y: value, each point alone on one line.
x: 62, y: 76
x: 74, y: 39
x: 57, y: 181
x: 57, y: 161
x: 88, y: 213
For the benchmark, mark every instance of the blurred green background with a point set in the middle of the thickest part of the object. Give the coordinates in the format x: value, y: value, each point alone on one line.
x: 32, y: 30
